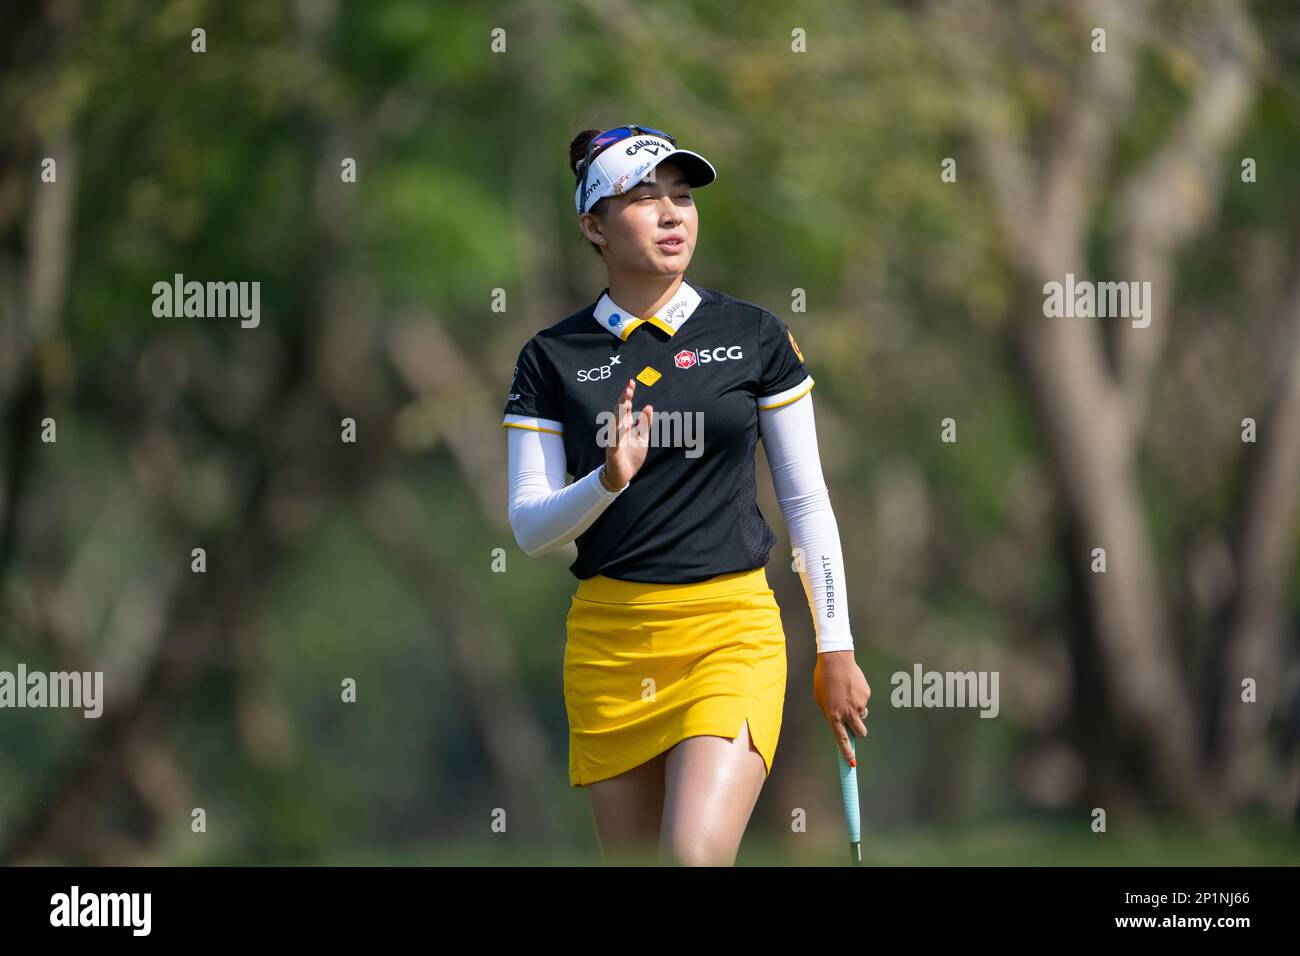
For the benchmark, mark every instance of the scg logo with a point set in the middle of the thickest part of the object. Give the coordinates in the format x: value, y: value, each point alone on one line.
x: 686, y: 358
x: 720, y: 354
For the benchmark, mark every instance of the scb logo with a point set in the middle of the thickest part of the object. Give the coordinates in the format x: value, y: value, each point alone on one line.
x: 686, y: 358
x: 595, y: 374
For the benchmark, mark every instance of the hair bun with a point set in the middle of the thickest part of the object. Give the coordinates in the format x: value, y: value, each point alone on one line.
x: 578, y: 149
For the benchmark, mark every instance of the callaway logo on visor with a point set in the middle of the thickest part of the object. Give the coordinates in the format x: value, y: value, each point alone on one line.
x: 624, y: 163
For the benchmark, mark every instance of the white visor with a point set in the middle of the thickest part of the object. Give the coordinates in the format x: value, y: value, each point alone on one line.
x: 621, y: 165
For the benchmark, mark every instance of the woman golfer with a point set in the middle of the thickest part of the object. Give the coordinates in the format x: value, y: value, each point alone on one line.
x: 674, y: 664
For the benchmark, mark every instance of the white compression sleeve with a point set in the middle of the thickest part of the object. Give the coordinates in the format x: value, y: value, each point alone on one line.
x: 790, y: 440
x: 545, y: 513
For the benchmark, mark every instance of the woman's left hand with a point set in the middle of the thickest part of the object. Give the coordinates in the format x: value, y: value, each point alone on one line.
x: 841, y: 691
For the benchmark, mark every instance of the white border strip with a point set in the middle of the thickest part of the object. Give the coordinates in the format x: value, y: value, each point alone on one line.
x: 788, y: 396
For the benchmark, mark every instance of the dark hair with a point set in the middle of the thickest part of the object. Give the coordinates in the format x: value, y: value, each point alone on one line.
x: 578, y: 150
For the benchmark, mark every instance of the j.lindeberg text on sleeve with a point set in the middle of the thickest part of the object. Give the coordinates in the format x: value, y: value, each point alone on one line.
x: 789, y: 437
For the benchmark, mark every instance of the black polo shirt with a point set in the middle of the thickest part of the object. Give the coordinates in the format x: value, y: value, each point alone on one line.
x: 707, y: 362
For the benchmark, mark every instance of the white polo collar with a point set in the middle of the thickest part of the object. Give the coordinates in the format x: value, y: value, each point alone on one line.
x: 621, y: 323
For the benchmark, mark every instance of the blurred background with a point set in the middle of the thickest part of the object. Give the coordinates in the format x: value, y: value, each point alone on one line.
x: 1171, y: 157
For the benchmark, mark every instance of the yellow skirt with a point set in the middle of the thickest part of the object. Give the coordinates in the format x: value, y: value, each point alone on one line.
x: 648, y: 665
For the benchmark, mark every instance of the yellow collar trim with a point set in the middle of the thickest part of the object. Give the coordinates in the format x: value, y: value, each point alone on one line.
x: 670, y: 318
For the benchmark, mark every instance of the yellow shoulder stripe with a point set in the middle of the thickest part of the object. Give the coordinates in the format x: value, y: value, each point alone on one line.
x: 531, y: 428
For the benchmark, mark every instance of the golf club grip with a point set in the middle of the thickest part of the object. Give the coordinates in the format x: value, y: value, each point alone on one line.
x: 849, y: 790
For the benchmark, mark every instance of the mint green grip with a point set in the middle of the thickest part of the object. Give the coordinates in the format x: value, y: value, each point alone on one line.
x: 849, y: 790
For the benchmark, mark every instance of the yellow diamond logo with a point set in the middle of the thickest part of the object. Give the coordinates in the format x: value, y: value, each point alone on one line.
x: 648, y: 376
